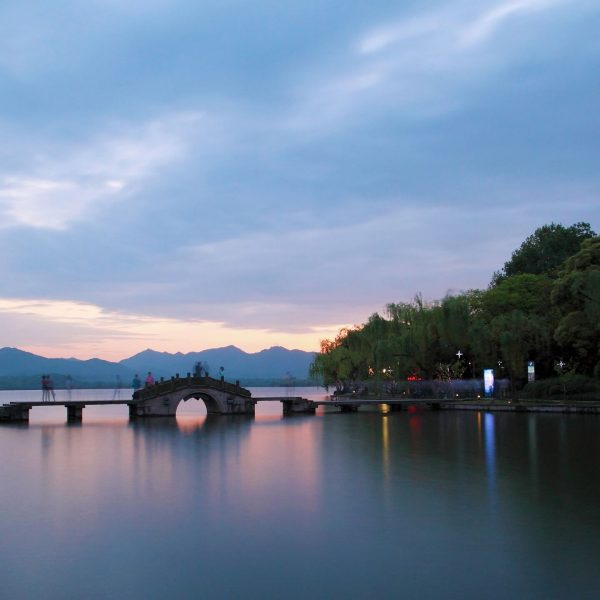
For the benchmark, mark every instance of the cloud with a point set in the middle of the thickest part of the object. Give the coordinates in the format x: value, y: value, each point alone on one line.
x: 422, y: 66
x: 409, y: 29
x: 65, y: 328
x: 483, y: 27
x: 65, y: 184
x: 455, y: 24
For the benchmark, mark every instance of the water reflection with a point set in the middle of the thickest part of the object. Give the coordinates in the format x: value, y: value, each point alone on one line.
x: 385, y: 448
x: 532, y: 447
x: 490, y: 455
x: 246, y: 507
x: 190, y: 425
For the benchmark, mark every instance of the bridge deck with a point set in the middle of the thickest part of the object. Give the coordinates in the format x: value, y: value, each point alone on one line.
x: 70, y: 402
x: 329, y: 402
x: 375, y: 401
x: 347, y: 401
x: 276, y: 398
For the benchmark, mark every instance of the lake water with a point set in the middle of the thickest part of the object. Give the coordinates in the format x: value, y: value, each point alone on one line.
x: 335, y: 505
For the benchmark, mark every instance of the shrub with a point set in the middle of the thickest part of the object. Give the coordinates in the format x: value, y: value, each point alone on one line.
x: 572, y: 386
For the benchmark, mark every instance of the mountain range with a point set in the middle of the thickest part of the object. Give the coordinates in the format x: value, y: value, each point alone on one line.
x: 270, y: 365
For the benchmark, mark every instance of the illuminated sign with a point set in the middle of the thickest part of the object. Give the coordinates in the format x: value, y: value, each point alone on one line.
x: 530, y: 371
x: 488, y: 382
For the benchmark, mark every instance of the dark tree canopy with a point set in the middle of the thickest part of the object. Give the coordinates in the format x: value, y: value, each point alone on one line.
x: 576, y: 294
x: 530, y: 293
x: 545, y: 250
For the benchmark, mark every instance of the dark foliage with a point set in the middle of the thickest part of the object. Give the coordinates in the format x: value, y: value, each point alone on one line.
x: 545, y: 250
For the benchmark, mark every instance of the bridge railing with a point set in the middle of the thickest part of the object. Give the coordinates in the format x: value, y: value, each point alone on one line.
x: 164, y: 386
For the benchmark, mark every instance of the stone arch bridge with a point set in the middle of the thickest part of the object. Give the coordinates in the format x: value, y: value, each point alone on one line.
x: 163, y: 398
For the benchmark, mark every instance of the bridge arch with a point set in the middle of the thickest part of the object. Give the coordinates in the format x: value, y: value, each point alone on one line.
x: 211, y: 404
x: 219, y: 397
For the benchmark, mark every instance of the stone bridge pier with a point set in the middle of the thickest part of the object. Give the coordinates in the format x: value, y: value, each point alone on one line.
x: 292, y: 406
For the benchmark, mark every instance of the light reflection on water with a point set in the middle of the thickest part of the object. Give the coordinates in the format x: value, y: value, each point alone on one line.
x: 427, y: 505
x: 490, y: 455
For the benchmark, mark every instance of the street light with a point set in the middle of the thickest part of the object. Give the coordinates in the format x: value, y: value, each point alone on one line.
x: 561, y: 365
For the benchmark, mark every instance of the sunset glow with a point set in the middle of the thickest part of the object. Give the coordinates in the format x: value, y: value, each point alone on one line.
x: 86, y: 331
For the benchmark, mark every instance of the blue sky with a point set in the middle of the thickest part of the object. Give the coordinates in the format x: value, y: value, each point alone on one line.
x: 181, y: 175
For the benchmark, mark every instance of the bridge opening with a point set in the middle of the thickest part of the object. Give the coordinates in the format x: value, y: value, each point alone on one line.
x: 197, y: 405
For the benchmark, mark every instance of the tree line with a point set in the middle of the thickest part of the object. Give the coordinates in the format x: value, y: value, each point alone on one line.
x: 542, y: 306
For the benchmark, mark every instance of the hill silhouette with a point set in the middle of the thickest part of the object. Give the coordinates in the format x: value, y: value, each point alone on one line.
x: 20, y: 369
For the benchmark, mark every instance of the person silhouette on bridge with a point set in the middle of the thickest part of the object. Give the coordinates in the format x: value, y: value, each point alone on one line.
x: 45, y: 392
x: 149, y: 379
x: 136, y: 384
x: 50, y: 386
x: 118, y: 385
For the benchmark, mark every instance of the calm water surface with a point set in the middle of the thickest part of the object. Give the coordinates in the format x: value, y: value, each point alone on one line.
x: 364, y: 505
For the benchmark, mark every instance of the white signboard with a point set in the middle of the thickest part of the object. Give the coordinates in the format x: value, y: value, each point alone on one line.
x: 488, y: 382
x: 530, y: 371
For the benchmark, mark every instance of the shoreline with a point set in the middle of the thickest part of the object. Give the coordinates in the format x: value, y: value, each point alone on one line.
x: 546, y: 406
x: 562, y: 407
x: 520, y: 407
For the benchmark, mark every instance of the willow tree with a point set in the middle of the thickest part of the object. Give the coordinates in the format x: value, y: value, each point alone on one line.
x: 415, y: 328
x: 456, y: 321
x: 344, y: 360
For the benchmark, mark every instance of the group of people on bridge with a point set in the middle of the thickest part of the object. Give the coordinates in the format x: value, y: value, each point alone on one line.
x: 136, y: 384
x: 200, y: 369
x: 47, y: 388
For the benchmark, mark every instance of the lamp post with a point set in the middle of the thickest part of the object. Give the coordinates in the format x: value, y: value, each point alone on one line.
x: 561, y: 365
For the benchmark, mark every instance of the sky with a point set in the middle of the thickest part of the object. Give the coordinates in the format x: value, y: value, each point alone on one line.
x: 181, y: 175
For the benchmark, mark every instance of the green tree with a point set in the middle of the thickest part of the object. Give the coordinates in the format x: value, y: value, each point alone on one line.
x: 528, y: 295
x: 525, y: 292
x: 521, y: 337
x: 545, y: 250
x: 354, y: 355
x: 415, y: 328
x: 576, y: 294
x: 454, y: 321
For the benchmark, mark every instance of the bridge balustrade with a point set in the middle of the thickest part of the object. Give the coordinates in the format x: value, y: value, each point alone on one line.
x: 175, y: 383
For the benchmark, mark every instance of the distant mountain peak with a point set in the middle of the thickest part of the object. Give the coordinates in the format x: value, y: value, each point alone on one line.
x: 271, y: 362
